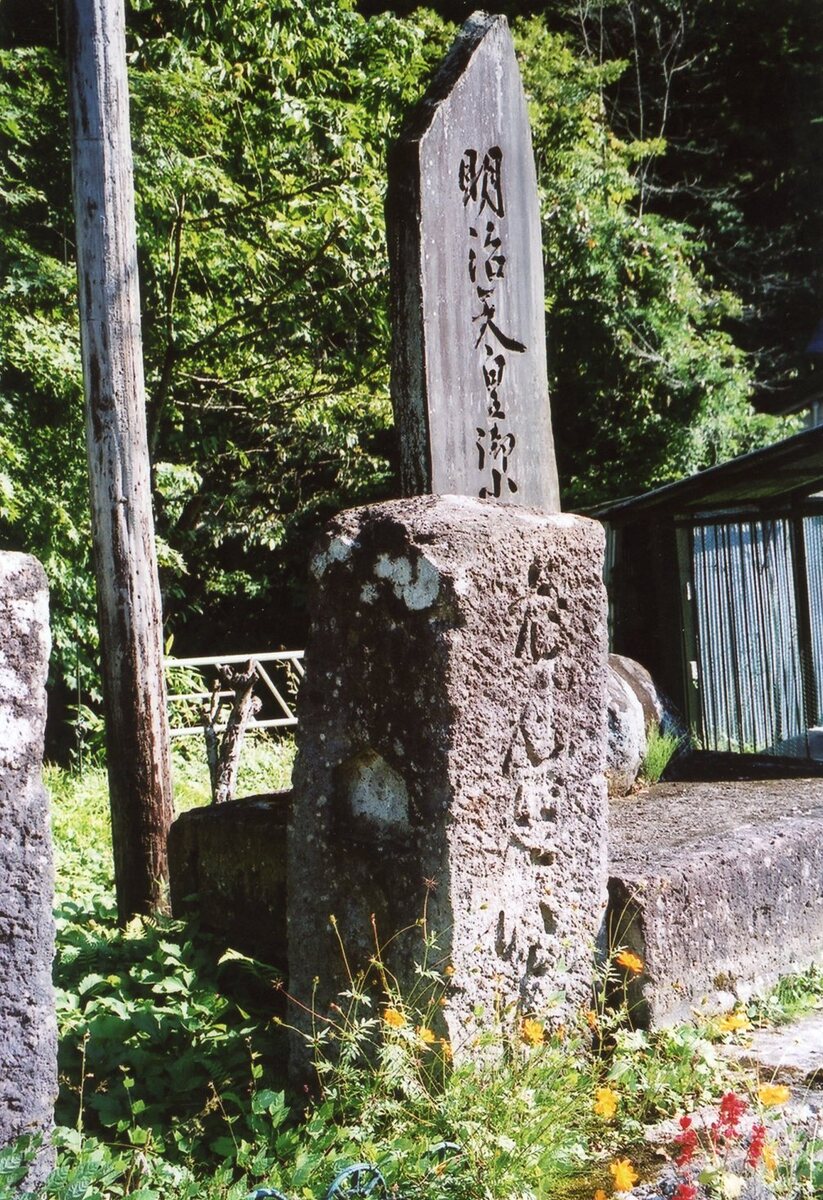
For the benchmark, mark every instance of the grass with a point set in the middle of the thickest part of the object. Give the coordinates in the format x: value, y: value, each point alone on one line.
x: 660, y: 749
x: 172, y: 1078
x: 794, y: 996
x: 265, y: 766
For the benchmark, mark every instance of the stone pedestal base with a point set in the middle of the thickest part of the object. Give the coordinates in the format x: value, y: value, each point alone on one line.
x: 717, y: 887
x: 229, y: 861
x: 450, y: 755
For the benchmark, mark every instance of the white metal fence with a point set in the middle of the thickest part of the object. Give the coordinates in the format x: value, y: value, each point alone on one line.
x: 191, y: 685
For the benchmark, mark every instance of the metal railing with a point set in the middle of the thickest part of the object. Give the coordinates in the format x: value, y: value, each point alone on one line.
x: 275, y: 667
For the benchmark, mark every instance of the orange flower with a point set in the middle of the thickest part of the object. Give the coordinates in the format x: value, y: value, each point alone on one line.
x: 732, y: 1022
x: 394, y: 1018
x: 771, y: 1095
x: 631, y: 961
x: 426, y: 1035
x: 591, y: 1021
x: 532, y: 1032
x: 605, y: 1104
x: 623, y: 1174
x: 447, y: 1050
x: 449, y: 971
x: 599, y: 1194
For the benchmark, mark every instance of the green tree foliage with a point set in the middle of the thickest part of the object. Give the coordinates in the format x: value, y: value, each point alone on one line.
x: 737, y: 94
x: 648, y: 385
x: 259, y: 136
x: 260, y: 129
x: 43, y: 485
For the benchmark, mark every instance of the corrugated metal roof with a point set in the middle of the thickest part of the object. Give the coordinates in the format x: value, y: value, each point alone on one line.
x: 794, y: 465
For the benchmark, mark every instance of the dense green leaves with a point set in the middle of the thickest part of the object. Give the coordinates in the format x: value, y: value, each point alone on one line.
x: 260, y: 132
x: 737, y: 95
x: 259, y: 143
x: 648, y: 385
x: 43, y: 488
x: 260, y: 138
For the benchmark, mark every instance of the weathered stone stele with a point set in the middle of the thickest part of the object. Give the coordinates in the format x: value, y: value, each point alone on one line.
x: 469, y: 382
x: 28, y: 1034
x: 450, y: 759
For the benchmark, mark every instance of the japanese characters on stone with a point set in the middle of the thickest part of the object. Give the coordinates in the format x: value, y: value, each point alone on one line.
x: 480, y: 180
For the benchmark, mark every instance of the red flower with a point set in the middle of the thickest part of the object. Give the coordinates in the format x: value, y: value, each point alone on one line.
x: 731, y: 1109
x: 685, y: 1191
x: 686, y: 1142
x: 755, y: 1150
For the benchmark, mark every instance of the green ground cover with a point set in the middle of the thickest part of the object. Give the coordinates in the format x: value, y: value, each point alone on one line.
x: 172, y: 1079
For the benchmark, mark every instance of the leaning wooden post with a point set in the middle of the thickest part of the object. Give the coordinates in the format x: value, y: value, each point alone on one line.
x: 128, y: 593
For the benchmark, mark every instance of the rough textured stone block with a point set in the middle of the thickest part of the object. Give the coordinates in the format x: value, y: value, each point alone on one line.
x: 28, y: 1050
x: 232, y: 858
x: 718, y: 887
x: 450, y: 752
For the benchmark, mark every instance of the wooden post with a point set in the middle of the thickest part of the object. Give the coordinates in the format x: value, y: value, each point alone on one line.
x: 128, y: 593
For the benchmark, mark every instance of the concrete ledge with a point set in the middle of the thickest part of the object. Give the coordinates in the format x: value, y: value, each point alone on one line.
x: 718, y: 887
x: 227, y: 864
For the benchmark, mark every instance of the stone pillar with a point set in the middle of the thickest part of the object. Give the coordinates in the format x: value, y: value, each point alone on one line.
x: 28, y: 1038
x: 451, y: 751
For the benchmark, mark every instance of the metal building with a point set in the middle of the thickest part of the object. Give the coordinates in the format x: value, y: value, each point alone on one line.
x: 716, y: 585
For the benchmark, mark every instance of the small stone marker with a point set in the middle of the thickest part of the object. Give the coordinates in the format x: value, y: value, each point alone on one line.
x: 28, y: 1032
x: 469, y: 382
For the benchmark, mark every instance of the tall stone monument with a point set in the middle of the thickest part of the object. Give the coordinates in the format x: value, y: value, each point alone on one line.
x: 469, y: 380
x: 451, y: 742
x: 28, y: 1032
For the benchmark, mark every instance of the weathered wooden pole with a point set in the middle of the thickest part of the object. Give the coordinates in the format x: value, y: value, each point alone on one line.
x: 128, y: 593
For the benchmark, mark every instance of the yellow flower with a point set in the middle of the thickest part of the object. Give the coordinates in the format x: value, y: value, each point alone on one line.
x: 605, y: 1104
x: 623, y: 1174
x: 449, y: 971
x: 771, y: 1095
x: 732, y: 1022
x: 769, y: 1158
x: 426, y: 1035
x: 591, y: 1021
x: 599, y: 1194
x: 394, y: 1018
x: 447, y: 1050
x: 631, y: 961
x: 532, y: 1032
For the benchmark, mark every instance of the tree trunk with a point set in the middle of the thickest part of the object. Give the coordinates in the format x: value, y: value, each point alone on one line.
x: 224, y: 757
x: 242, y: 684
x: 128, y: 594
